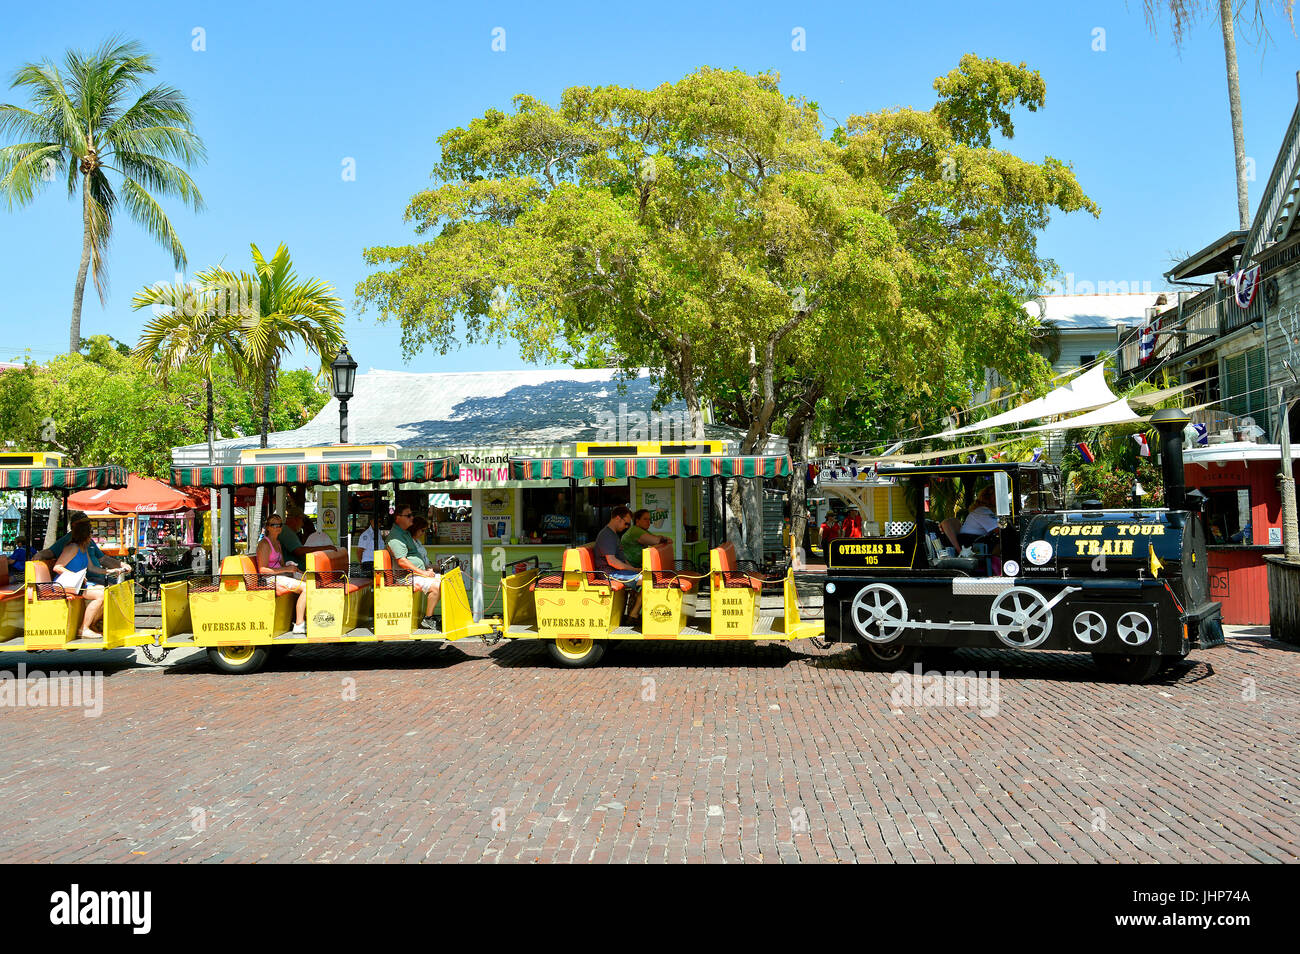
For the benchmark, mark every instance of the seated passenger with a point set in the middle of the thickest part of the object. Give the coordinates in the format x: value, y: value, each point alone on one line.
x: 291, y: 538
x: 608, y: 556
x: 99, y: 560
x: 409, y: 554
x: 271, y: 561
x: 982, y: 520
x: 638, y: 537
x: 76, y: 558
x: 369, y: 539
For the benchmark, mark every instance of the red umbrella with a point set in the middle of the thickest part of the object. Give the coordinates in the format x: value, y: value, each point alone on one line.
x: 140, y: 495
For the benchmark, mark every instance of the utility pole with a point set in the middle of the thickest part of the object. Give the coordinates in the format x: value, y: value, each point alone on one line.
x: 1286, y: 477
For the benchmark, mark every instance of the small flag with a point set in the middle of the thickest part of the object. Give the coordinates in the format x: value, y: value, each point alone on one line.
x: 1202, y: 435
x: 1146, y: 344
x: 1245, y: 283
x: 1156, y: 565
x: 1144, y: 446
x: 1085, y: 452
x: 1038, y: 453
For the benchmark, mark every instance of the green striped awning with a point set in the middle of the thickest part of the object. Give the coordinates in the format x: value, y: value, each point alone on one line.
x: 618, y: 468
x: 63, y: 478
x: 330, y: 472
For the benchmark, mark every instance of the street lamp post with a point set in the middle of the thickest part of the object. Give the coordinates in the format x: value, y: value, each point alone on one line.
x: 344, y: 371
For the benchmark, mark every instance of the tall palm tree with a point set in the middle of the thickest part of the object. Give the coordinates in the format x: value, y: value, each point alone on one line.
x: 82, y: 126
x: 290, y: 311
x: 1182, y: 13
x: 192, y: 326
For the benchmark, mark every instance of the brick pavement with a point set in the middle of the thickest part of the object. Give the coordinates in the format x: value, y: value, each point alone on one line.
x: 732, y: 753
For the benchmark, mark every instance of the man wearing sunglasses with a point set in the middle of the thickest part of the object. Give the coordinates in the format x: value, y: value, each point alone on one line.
x: 409, y: 554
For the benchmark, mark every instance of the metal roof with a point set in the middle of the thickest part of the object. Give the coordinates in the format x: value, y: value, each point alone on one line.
x: 473, y: 409
x: 1095, y: 312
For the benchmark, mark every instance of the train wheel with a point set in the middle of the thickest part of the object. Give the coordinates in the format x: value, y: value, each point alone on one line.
x: 1021, y: 617
x: 879, y: 613
x: 240, y: 660
x: 891, y: 658
x: 576, y: 653
x: 1122, y: 668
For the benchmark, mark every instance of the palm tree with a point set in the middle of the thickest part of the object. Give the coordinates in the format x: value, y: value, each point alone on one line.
x: 1182, y: 13
x: 289, y: 312
x: 81, y: 127
x: 192, y: 326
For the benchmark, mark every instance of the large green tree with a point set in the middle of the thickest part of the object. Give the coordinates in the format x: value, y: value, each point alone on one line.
x: 711, y: 229
x: 92, y: 118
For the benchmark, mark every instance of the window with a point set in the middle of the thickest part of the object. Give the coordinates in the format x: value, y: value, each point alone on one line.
x: 1085, y: 359
x: 1227, y: 516
x: 550, y: 515
x: 1242, y: 380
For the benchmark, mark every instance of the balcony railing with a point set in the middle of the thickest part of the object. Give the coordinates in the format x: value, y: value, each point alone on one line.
x: 1211, y: 314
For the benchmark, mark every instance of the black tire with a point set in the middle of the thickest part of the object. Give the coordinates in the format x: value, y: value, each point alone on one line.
x: 889, y: 657
x: 239, y: 660
x: 279, y: 652
x: 1118, y: 667
x: 576, y: 654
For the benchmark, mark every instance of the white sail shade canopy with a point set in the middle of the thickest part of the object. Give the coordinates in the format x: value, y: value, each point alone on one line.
x: 1117, y: 412
x: 1089, y: 390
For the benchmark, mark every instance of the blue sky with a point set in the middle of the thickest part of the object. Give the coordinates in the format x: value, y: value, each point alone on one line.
x: 284, y: 93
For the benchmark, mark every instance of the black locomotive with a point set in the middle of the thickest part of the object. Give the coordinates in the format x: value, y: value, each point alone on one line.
x: 1129, y: 586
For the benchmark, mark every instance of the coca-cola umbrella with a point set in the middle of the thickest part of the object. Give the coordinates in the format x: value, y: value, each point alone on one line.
x: 140, y: 495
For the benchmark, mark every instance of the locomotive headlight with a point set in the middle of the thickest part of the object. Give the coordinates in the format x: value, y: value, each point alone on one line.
x: 830, y: 587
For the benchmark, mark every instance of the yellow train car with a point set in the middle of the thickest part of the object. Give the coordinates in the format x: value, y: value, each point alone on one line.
x: 578, y: 610
x: 36, y: 612
x: 243, y: 621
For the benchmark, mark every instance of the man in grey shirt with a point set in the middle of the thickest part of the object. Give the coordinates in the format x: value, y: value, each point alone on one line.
x: 608, y: 555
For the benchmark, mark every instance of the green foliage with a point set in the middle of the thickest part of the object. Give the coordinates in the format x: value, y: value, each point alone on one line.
x: 101, y: 408
x: 710, y: 230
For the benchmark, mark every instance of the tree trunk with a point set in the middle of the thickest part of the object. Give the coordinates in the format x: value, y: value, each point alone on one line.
x: 266, y: 403
x: 52, y: 525
x: 798, y: 439
x: 74, y: 334
x: 212, y: 494
x: 1234, y: 107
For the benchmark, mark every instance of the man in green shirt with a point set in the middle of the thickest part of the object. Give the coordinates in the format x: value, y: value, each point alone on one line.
x: 410, y: 555
x: 638, y: 537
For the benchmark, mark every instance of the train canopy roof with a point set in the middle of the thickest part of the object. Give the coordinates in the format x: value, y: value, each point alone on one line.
x: 649, y: 466
x: 62, y: 478
x: 329, y: 472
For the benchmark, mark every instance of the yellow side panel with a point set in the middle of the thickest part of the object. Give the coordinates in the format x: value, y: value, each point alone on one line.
x: 176, y: 610
x: 519, y: 604
x: 398, y: 610
x: 48, y: 624
x: 119, y: 613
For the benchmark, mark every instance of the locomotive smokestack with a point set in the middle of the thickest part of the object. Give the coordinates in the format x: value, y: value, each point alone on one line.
x: 1170, y: 423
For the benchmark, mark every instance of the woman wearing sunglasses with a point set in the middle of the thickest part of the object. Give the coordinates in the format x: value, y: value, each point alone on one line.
x: 270, y: 562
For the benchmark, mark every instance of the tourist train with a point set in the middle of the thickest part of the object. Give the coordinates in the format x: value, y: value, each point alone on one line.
x: 1128, y: 586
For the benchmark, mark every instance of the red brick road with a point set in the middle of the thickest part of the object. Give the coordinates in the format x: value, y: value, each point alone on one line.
x: 663, y: 753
